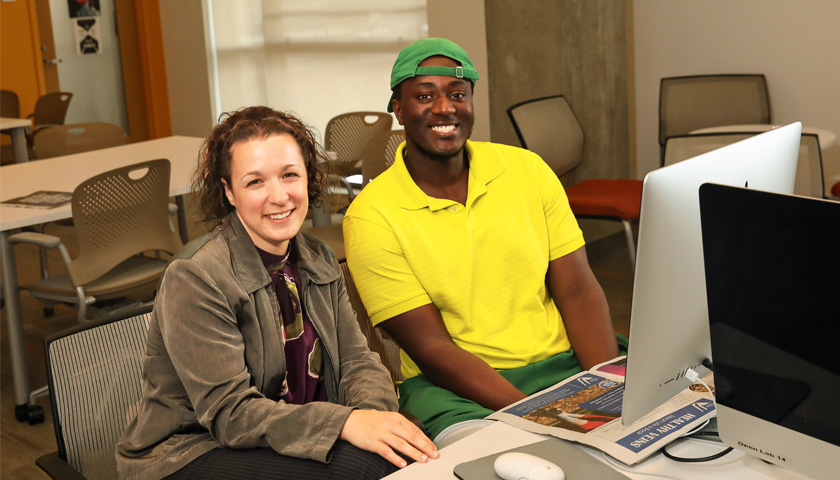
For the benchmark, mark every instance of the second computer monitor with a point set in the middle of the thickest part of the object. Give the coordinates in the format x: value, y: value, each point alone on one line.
x: 669, y: 322
x: 772, y: 264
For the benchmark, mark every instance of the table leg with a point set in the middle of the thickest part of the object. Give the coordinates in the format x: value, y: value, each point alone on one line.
x: 19, y: 144
x: 23, y: 411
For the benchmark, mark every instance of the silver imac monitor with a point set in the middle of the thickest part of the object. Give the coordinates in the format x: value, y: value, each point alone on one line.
x: 772, y: 283
x: 669, y: 321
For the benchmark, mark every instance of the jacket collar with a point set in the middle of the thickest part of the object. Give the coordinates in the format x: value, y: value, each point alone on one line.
x: 249, y: 269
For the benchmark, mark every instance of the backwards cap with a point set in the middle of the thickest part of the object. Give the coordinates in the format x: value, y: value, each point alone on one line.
x: 406, y: 65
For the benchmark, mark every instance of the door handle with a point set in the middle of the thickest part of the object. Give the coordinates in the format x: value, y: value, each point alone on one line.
x: 52, y: 61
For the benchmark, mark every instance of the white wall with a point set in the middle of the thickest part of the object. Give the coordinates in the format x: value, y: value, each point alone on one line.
x: 315, y: 60
x: 796, y: 44
x: 188, y: 70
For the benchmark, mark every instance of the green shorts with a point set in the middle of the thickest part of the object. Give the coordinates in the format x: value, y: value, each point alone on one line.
x: 439, y: 408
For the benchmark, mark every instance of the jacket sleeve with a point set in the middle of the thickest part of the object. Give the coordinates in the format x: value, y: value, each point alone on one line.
x: 202, y: 338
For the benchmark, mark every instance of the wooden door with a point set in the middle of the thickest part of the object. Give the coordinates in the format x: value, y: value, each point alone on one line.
x: 48, y: 56
x: 21, y: 67
x: 144, y: 72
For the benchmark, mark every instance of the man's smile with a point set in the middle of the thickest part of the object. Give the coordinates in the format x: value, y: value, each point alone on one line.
x: 443, y: 128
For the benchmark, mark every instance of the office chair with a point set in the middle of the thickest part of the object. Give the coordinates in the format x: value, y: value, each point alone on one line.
x: 548, y: 127
x: 683, y: 147
x: 810, y: 180
x: 50, y: 110
x: 699, y: 101
x: 346, y: 136
x: 9, y: 108
x: 379, y: 153
x: 74, y: 138
x: 118, y: 215
x: 835, y: 191
x: 9, y: 104
x: 378, y: 340
x: 377, y: 156
x: 809, y: 173
x: 77, y: 138
x: 66, y: 140
x: 95, y: 374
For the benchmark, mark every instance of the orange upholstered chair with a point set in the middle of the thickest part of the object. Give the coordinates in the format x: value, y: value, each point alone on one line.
x: 548, y: 127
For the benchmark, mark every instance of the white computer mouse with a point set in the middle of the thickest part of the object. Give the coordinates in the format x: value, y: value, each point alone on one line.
x: 524, y: 466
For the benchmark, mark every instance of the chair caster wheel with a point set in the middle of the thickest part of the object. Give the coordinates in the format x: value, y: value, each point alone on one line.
x: 21, y: 412
x: 49, y: 311
x: 36, y: 414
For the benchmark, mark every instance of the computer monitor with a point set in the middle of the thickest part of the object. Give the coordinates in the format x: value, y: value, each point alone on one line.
x: 772, y: 281
x: 669, y: 323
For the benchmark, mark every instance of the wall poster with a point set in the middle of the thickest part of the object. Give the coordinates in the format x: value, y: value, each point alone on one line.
x: 87, y: 35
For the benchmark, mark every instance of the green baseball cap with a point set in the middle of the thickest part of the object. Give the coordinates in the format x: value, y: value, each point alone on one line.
x: 406, y: 65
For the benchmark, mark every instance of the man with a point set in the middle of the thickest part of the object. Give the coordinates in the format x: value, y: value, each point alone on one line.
x: 468, y: 255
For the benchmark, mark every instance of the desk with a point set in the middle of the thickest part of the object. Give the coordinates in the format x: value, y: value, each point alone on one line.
x: 17, y: 129
x: 64, y: 174
x: 827, y: 138
x: 498, y: 437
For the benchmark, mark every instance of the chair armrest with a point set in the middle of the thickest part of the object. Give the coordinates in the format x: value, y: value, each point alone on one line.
x: 57, y: 468
x: 42, y: 240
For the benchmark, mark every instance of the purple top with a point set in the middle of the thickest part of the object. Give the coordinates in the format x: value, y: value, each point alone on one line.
x: 304, y: 360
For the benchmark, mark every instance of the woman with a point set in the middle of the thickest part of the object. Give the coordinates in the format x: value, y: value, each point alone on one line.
x: 255, y: 366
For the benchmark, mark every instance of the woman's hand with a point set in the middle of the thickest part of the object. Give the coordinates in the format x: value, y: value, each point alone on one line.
x: 384, y: 433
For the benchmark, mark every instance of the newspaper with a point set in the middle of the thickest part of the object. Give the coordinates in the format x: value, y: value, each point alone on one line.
x: 43, y: 199
x: 586, y: 408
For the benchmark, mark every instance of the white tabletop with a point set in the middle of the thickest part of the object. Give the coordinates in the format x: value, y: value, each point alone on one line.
x: 8, y: 123
x: 827, y: 138
x: 500, y: 436
x: 63, y: 174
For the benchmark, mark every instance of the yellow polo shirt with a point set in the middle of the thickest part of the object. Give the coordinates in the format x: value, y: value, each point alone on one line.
x: 483, y: 264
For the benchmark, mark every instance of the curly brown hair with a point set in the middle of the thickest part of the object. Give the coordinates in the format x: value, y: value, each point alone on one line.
x: 240, y: 126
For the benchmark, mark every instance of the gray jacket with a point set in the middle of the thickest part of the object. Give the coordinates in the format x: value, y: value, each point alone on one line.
x: 214, y: 361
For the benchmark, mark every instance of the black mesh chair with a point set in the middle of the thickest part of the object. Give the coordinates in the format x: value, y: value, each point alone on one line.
x: 94, y: 372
